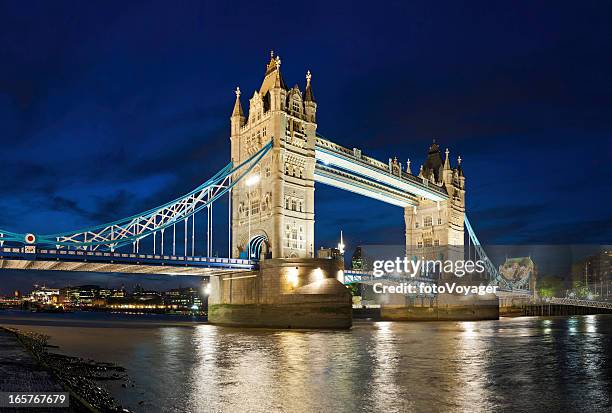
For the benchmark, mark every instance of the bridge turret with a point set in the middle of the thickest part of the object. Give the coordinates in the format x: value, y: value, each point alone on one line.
x: 273, y: 90
x: 434, y: 229
x: 279, y: 209
x: 237, y: 119
x: 310, y: 105
x: 460, y: 173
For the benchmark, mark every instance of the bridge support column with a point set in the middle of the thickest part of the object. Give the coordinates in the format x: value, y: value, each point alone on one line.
x: 283, y: 293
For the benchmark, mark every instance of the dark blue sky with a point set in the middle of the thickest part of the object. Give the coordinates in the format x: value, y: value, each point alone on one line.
x: 110, y: 108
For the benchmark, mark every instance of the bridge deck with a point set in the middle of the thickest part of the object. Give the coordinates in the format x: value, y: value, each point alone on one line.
x: 337, y: 156
x: 129, y: 263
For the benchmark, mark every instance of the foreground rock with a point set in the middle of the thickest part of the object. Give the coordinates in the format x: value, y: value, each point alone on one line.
x: 27, y: 366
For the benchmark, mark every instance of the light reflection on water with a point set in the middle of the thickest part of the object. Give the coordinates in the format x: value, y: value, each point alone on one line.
x: 523, y: 364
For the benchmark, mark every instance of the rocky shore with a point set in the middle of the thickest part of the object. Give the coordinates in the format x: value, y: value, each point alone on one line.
x: 28, y: 365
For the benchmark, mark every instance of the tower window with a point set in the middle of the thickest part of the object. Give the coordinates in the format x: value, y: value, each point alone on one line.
x: 439, y: 221
x: 427, y: 221
x: 420, y: 244
x: 436, y: 243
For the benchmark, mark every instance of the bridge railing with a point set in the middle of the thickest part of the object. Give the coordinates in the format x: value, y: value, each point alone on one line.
x: 580, y: 303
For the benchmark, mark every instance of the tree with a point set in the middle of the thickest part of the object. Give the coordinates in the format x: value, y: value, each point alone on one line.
x: 550, y: 286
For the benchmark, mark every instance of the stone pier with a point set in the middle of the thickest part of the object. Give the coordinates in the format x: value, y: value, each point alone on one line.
x: 439, y: 307
x: 443, y: 307
x: 283, y: 293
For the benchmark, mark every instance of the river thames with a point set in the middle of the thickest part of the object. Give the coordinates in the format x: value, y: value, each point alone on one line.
x: 529, y: 364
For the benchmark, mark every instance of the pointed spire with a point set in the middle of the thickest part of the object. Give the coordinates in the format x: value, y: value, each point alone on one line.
x: 459, y: 168
x: 237, y: 106
x: 273, y: 69
x: 308, y: 95
x: 446, y: 160
x: 421, y: 172
x: 341, y: 244
x: 408, y: 166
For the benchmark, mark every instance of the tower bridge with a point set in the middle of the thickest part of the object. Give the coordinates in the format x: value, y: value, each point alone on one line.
x: 276, y: 158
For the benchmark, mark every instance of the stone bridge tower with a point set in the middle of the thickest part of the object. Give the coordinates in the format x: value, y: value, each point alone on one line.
x: 435, y: 230
x: 280, y: 206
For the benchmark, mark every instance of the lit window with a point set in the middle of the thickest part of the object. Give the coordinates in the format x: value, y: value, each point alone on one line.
x: 427, y: 242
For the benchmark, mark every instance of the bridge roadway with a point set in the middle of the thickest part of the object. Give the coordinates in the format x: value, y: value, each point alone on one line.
x: 348, y: 169
x: 117, y: 262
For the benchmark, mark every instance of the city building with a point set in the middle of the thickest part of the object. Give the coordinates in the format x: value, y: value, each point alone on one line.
x: 594, y: 273
x: 184, y: 299
x: 44, y: 295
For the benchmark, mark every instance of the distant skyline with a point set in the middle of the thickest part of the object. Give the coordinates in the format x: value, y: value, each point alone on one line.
x: 111, y: 108
x: 24, y: 280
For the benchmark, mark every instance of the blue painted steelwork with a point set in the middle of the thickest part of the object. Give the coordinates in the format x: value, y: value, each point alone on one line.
x: 353, y: 276
x: 129, y: 230
x: 107, y: 257
x: 494, y: 276
x: 419, y: 186
x: 255, y: 246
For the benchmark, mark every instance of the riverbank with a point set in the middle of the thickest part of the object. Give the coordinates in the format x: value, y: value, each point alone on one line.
x: 26, y: 365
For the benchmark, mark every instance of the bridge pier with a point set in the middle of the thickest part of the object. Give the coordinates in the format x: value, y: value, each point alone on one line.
x: 283, y: 293
x: 442, y: 307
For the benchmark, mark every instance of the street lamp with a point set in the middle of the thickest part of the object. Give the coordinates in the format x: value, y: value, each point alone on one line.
x: 251, y: 181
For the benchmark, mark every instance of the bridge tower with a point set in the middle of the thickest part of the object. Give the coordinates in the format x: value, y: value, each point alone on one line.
x: 434, y: 230
x: 279, y: 207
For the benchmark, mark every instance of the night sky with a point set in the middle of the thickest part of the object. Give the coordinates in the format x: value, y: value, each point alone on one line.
x: 111, y: 108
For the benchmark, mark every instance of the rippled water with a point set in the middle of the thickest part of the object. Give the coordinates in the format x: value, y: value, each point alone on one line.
x: 521, y: 364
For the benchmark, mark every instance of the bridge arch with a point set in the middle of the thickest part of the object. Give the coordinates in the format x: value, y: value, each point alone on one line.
x: 258, y: 244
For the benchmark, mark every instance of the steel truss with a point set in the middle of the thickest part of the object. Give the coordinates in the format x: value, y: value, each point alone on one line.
x: 133, y: 229
x: 481, y: 254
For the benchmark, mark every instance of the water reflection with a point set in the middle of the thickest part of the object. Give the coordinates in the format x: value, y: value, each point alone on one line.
x: 524, y: 364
